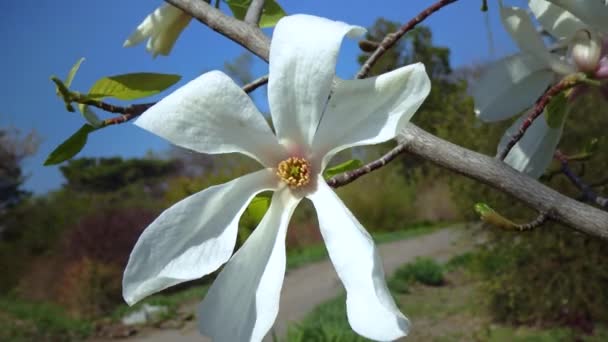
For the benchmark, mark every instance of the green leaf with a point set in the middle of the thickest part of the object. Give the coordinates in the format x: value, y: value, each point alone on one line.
x: 557, y: 110
x: 258, y: 207
x: 70, y: 147
x: 271, y: 13
x: 343, y: 167
x: 72, y: 73
x: 132, y: 86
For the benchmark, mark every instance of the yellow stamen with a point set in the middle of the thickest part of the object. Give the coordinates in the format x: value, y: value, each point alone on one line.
x: 294, y: 171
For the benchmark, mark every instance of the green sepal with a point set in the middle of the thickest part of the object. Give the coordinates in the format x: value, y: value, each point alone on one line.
x: 342, y: 167
x: 489, y: 215
x: 132, y: 86
x: 71, y: 146
x: 271, y: 13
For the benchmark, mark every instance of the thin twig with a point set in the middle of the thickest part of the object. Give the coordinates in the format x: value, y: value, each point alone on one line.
x: 537, y: 110
x: 254, y: 12
x: 392, y: 38
x: 586, y: 190
x: 255, y: 84
x: 541, y: 219
x: 132, y: 111
x: 349, y: 176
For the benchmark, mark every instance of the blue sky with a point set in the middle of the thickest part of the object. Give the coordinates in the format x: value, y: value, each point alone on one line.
x: 46, y: 37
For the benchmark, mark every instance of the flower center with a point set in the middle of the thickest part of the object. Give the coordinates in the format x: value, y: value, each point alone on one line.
x: 294, y: 171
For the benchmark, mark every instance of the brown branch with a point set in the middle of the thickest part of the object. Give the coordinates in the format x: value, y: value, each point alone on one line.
x: 392, y: 38
x: 248, y: 36
x: 132, y: 111
x: 537, y: 110
x: 349, y: 176
x: 255, y: 84
x: 493, y: 172
x: 254, y: 12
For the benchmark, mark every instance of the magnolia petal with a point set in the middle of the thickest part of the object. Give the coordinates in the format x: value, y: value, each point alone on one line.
x: 510, y: 86
x: 558, y: 22
x: 519, y: 25
x: 534, y: 152
x: 192, y: 238
x: 370, y: 111
x: 371, y: 310
x: 163, y: 40
x: 300, y: 76
x: 594, y: 13
x: 243, y: 302
x: 211, y: 114
x: 153, y: 23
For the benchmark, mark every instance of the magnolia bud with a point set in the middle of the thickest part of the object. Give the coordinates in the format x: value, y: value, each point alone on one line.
x: 586, y: 50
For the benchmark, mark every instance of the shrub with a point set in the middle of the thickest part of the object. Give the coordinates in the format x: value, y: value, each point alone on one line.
x: 89, y: 289
x: 423, y: 270
x: 107, y: 236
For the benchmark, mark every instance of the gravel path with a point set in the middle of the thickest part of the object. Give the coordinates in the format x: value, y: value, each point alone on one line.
x: 308, y: 286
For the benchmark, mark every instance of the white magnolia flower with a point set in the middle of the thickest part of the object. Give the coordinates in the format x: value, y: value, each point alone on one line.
x: 512, y: 85
x: 162, y: 28
x: 211, y: 114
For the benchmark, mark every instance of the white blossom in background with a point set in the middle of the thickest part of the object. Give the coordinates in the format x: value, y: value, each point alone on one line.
x: 211, y: 114
x: 513, y: 84
x: 162, y: 28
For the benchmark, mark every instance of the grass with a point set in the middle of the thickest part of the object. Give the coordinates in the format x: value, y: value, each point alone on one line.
x: 452, y: 312
x: 30, y: 321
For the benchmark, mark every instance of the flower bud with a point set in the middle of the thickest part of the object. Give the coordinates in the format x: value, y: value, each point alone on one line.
x: 586, y: 50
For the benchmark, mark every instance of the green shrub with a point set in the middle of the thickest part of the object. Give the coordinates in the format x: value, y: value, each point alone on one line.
x: 423, y: 270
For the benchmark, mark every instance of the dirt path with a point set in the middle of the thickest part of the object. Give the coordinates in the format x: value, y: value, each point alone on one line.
x: 313, y: 284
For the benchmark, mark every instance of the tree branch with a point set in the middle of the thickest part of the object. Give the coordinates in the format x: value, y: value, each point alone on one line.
x: 248, y: 36
x: 254, y: 12
x: 349, y: 176
x: 392, y: 38
x: 495, y: 173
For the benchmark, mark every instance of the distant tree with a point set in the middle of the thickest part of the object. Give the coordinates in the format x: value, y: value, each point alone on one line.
x: 111, y: 174
x: 13, y: 149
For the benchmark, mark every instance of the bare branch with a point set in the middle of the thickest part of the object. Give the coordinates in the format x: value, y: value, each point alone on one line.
x: 349, y: 176
x: 495, y: 173
x: 392, y: 38
x: 587, y: 191
x: 541, y: 219
x: 254, y: 12
x: 255, y: 84
x: 248, y: 36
